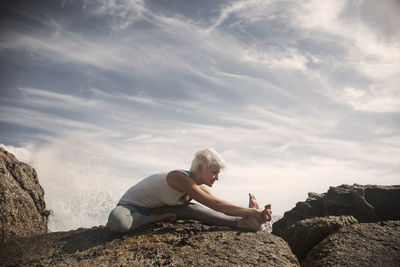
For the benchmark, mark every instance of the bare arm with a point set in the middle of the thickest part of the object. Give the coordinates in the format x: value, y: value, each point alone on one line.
x: 182, y: 183
x: 205, y: 189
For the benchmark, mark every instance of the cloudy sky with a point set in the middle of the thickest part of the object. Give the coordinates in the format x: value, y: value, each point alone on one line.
x: 297, y: 96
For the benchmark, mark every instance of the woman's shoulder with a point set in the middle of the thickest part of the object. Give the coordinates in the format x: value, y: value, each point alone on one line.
x: 188, y: 173
x: 179, y: 179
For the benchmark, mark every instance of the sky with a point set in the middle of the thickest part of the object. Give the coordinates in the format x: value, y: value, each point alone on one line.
x: 297, y: 96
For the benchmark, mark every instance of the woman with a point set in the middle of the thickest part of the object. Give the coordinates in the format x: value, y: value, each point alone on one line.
x: 166, y: 196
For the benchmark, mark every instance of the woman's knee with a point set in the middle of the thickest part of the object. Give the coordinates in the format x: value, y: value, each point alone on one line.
x: 120, y: 220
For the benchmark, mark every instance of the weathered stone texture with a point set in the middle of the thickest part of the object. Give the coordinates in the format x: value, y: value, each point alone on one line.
x: 364, y: 244
x: 305, y: 234
x: 22, y: 207
x: 182, y: 243
x: 368, y: 203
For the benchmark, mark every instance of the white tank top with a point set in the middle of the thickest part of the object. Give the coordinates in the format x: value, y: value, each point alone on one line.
x: 152, y: 192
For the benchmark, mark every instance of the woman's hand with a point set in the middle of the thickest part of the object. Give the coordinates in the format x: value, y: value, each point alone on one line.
x: 263, y: 215
x: 259, y: 216
x: 267, y: 213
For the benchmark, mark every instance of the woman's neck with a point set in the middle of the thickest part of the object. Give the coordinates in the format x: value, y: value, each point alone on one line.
x: 196, y: 178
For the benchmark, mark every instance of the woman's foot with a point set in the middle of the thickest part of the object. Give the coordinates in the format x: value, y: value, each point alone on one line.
x: 266, y: 213
x: 249, y: 223
x: 253, y: 202
x: 170, y: 217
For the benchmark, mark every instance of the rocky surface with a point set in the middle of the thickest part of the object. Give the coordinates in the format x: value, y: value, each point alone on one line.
x: 364, y: 244
x: 316, y: 238
x: 182, y: 243
x: 305, y: 234
x: 22, y: 207
x: 368, y: 203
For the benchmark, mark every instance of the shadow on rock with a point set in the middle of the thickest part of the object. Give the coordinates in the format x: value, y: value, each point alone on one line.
x: 84, y: 239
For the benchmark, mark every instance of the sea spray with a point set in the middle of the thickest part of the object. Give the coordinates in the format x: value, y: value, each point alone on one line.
x: 267, y: 226
x: 81, y: 187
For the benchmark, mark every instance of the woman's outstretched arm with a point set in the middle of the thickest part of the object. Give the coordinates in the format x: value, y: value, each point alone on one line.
x: 182, y: 183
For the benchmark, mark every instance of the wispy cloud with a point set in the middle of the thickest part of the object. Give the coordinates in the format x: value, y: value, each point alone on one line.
x: 121, y: 13
x: 42, y: 98
x: 365, y: 52
x: 248, y: 11
x: 288, y: 59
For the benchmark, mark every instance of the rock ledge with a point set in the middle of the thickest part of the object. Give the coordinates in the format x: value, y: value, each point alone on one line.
x: 182, y: 243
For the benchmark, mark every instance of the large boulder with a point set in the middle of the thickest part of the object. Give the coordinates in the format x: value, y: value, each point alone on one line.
x: 182, y: 243
x: 22, y: 208
x: 364, y: 244
x: 369, y: 203
x: 305, y: 234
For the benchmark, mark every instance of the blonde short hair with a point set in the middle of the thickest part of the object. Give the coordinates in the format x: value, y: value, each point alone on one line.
x: 207, y: 157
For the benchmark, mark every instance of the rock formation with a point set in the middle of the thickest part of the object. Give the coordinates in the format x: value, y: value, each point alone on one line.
x: 305, y: 234
x: 182, y: 243
x: 22, y: 206
x: 326, y: 240
x: 364, y: 244
x: 369, y: 203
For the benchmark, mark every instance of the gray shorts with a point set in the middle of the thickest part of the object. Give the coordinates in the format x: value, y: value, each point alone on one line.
x: 125, y: 218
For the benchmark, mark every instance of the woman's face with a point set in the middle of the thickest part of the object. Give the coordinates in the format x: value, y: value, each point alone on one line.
x: 209, y: 174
